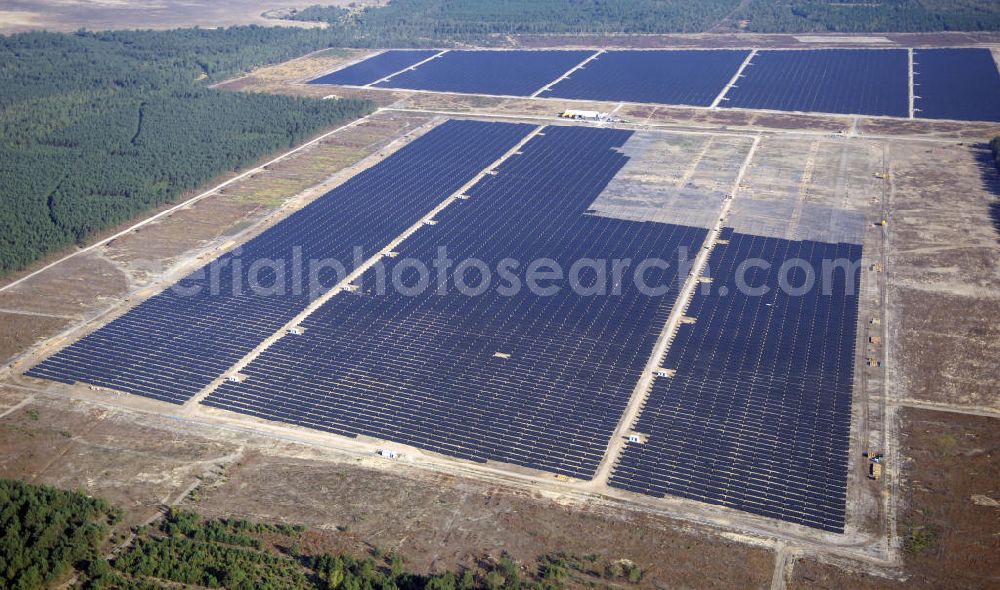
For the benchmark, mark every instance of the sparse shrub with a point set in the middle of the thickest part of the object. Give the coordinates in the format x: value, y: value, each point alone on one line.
x: 494, y: 580
x: 920, y: 539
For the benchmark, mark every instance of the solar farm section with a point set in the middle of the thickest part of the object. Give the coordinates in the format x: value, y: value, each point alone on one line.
x: 959, y: 84
x: 514, y: 73
x: 539, y: 380
x: 667, y: 77
x: 956, y: 84
x: 173, y: 345
x: 735, y: 328
x: 755, y: 412
x: 847, y: 81
x: 374, y: 68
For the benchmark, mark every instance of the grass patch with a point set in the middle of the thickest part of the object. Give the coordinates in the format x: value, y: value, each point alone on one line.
x: 919, y: 539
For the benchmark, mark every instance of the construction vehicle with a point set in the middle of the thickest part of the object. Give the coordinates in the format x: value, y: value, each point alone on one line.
x: 874, y: 471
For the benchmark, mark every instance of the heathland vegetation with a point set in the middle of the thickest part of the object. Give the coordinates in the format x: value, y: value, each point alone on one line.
x: 52, y: 537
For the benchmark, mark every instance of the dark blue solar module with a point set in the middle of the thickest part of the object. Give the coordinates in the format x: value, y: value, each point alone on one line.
x: 666, y: 77
x: 849, y: 81
x: 177, y: 342
x: 422, y: 368
x: 758, y: 415
x: 956, y: 84
x: 514, y: 73
x: 374, y: 68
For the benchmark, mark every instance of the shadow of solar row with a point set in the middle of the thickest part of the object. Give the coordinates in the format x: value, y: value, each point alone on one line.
x: 174, y: 344
x: 758, y: 414
x: 511, y: 73
x: 374, y: 68
x: 685, y: 77
x: 958, y: 84
x: 846, y: 81
x: 489, y: 372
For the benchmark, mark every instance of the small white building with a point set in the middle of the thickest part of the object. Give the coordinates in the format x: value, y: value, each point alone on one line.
x: 387, y: 453
x: 584, y: 115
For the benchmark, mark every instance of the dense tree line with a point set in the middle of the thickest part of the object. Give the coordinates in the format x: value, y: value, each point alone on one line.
x: 995, y: 147
x: 48, y: 534
x: 231, y: 531
x: 45, y: 532
x: 96, y: 128
x: 408, y: 22
x: 867, y: 16
x: 416, y: 22
x: 212, y: 565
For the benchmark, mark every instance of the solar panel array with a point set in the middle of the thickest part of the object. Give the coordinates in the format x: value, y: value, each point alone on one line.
x: 514, y: 73
x: 956, y: 84
x: 518, y: 376
x: 758, y: 414
x: 692, y: 77
x: 174, y: 344
x: 375, y: 67
x: 848, y: 81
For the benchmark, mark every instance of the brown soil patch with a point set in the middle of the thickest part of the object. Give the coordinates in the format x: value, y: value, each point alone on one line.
x: 951, y: 459
x: 956, y: 130
x: 62, y: 15
x: 308, y: 66
x: 944, y: 273
x: 104, y: 453
x: 10, y: 397
x: 438, y: 522
x: 21, y: 332
x: 74, y: 287
x: 813, y: 574
x: 946, y: 526
x: 949, y: 348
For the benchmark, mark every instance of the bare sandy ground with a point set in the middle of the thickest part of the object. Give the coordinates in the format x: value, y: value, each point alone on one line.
x: 70, y: 15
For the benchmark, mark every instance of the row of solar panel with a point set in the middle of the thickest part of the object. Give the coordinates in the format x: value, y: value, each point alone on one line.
x: 174, y: 344
x: 422, y: 369
x: 757, y: 415
x: 961, y: 84
x: 680, y: 466
x: 686, y: 462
